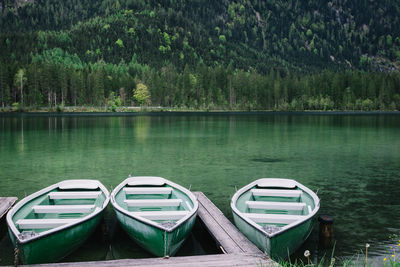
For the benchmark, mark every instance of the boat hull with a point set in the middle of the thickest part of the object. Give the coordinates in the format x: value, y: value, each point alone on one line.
x: 53, y: 247
x: 276, y: 214
x: 278, y: 247
x: 50, y: 223
x: 157, y: 241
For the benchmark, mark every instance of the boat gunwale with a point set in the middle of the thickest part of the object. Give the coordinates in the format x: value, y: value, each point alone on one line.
x: 45, y: 190
x: 286, y: 227
x: 192, y: 212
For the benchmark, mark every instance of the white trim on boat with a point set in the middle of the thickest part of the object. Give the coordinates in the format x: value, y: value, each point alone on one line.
x: 188, y: 204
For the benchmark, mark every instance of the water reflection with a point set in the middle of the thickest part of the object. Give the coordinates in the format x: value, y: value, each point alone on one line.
x: 21, y: 144
x: 353, y: 161
x: 141, y: 127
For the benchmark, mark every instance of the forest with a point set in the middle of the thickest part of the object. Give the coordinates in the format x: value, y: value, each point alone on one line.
x: 200, y: 55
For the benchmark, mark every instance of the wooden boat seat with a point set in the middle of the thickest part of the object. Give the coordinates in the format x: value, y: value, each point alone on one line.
x: 43, y: 223
x: 283, y: 183
x: 79, y: 184
x: 148, y: 180
x: 153, y: 202
x: 147, y: 190
x: 161, y: 215
x: 276, y: 193
x: 63, y: 208
x: 75, y: 195
x: 275, y: 205
x: 273, y: 218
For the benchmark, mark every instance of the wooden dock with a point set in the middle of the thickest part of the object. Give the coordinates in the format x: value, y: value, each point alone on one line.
x: 5, y: 204
x: 219, y: 260
x: 224, y: 232
x: 238, y: 250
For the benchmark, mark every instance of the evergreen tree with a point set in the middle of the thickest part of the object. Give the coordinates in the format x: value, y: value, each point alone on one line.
x: 4, y: 95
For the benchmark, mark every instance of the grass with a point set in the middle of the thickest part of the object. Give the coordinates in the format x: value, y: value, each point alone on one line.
x: 299, y: 263
x: 391, y: 258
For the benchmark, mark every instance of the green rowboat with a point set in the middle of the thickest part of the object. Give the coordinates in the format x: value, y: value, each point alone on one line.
x: 277, y: 215
x: 49, y: 224
x: 155, y: 212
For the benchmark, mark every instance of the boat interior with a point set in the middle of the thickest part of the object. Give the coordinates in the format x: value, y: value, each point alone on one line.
x: 55, y: 208
x: 160, y: 202
x: 274, y: 207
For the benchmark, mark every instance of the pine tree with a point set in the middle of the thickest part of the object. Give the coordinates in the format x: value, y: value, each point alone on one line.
x: 3, y: 86
x: 98, y: 87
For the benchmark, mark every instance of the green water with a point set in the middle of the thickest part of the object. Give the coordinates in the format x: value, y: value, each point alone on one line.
x: 353, y: 161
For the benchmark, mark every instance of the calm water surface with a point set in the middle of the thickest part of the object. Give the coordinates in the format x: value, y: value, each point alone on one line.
x: 353, y: 161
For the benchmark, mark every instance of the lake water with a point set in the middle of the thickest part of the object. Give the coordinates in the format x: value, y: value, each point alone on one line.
x: 353, y: 161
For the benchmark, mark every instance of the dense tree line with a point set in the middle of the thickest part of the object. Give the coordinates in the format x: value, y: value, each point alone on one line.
x: 57, y: 79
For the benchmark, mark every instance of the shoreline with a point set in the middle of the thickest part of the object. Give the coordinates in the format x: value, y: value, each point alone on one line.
x: 157, y: 111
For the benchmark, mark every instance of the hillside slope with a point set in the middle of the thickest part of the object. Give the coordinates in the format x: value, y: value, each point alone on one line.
x: 242, y: 54
x: 313, y: 34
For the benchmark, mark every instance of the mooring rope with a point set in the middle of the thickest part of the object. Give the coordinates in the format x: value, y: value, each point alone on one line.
x: 16, y: 252
x: 165, y: 244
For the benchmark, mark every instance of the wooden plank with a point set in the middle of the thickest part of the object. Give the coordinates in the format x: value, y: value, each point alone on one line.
x: 75, y: 195
x: 219, y: 260
x: 148, y: 190
x: 276, y: 193
x: 223, y: 231
x: 43, y: 223
x: 161, y: 215
x: 282, y: 183
x: 273, y: 218
x: 63, y: 208
x: 153, y: 202
x: 5, y: 204
x: 275, y: 205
